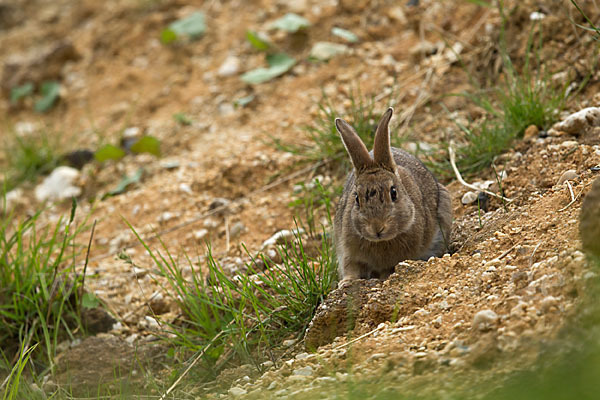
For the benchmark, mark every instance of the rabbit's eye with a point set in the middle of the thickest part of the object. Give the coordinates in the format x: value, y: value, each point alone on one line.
x: 393, y: 193
x: 356, y: 198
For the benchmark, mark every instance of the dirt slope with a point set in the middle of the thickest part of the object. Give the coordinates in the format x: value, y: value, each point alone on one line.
x: 518, y: 273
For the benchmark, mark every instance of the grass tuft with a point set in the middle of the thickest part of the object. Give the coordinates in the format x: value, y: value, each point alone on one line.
x: 38, y: 286
x: 323, y: 141
x: 28, y: 157
x: 523, y: 98
x: 244, y: 316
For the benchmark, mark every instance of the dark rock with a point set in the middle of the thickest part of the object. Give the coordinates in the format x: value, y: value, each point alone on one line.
x: 78, y: 158
x: 96, y: 320
x: 483, y: 201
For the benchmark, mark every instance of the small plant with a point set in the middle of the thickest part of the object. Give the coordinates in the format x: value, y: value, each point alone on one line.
x: 13, y: 388
x: 313, y: 199
x: 228, y: 317
x: 28, y: 157
x: 324, y: 143
x: 38, y: 285
x: 522, y: 99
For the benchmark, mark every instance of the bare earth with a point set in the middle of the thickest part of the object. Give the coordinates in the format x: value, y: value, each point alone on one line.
x: 518, y: 275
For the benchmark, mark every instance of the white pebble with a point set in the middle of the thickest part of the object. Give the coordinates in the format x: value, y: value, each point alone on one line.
x: 484, y: 319
x: 304, y: 371
x: 237, y: 391
x: 468, y: 198
x: 568, y: 175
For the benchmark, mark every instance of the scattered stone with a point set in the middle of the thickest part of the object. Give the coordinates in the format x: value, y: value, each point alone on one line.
x: 219, y: 204
x: 158, y: 304
x: 230, y: 66
x: 376, y: 356
x: 282, y: 237
x: 579, y: 122
x: 483, y: 200
x: 200, y: 234
x: 151, y: 322
x: 237, y: 391
x: 484, y: 320
x: 185, y: 188
x: 170, y: 164
x: 78, y: 158
x: 211, y: 223
x: 519, y: 309
x: 59, y: 185
x: 325, y: 50
x: 226, y: 109
x: 302, y: 356
x: 96, y: 320
x: 304, y: 371
x: 537, y: 16
x: 567, y: 176
x: 548, y: 303
x: 166, y: 216
x: 423, y: 48
x: 531, y: 132
x: 397, y: 14
x: 469, y: 198
x: 289, y: 342
x: 237, y: 229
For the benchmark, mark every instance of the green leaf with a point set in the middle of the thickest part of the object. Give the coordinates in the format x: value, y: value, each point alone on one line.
x: 278, y: 64
x: 50, y: 91
x: 19, y: 92
x: 182, y: 119
x: 147, y: 144
x: 167, y: 36
x: 126, y: 181
x: 193, y: 26
x: 344, y: 34
x: 89, y: 300
x: 109, y: 152
x: 291, y: 23
x: 257, y: 40
x: 243, y: 101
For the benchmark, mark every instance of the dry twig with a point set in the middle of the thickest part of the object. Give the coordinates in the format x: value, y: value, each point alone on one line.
x: 462, y: 181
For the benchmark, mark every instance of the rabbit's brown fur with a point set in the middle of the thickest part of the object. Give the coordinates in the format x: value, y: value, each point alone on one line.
x: 392, y: 208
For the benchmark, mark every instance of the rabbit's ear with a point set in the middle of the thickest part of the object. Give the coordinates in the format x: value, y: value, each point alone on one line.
x: 381, y: 149
x: 354, y: 146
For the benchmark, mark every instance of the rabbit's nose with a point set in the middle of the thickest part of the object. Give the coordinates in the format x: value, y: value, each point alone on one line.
x: 378, y: 230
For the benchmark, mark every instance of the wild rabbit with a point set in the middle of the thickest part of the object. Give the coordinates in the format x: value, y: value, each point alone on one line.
x: 392, y: 208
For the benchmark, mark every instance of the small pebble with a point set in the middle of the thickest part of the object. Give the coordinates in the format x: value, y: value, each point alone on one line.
x: 229, y: 67
x: 469, y: 198
x: 237, y: 391
x: 237, y: 229
x: 304, y: 371
x: 484, y: 319
x: 567, y: 176
x: 531, y: 132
